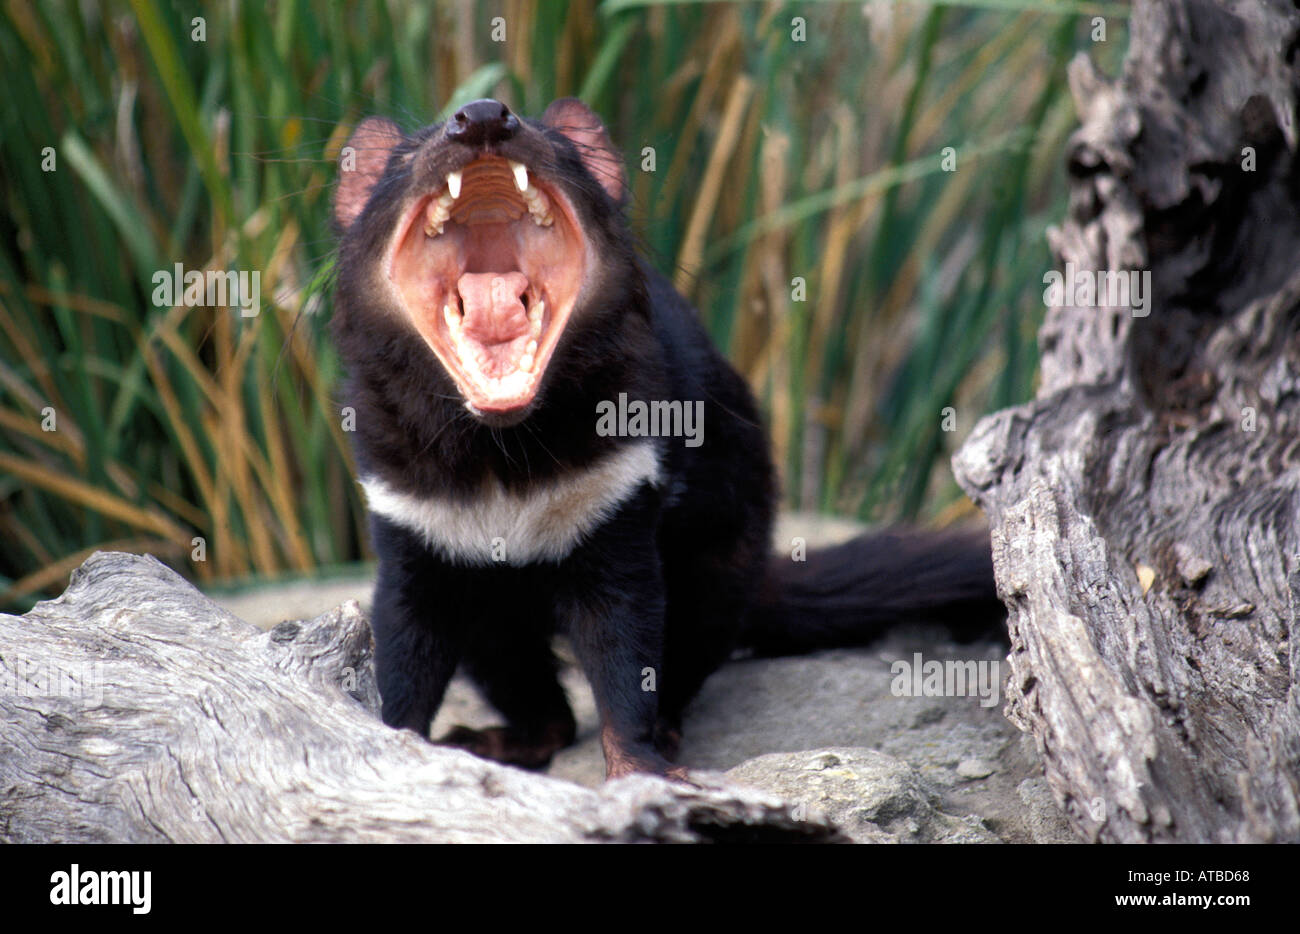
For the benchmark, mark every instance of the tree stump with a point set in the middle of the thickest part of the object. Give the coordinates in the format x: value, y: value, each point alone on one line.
x: 1144, y: 508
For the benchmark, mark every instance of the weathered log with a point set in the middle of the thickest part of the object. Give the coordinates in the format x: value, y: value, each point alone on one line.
x: 133, y: 709
x: 1146, y: 507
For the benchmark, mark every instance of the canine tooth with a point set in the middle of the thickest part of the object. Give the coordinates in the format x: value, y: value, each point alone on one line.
x: 453, y: 184
x: 521, y: 175
x: 526, y: 363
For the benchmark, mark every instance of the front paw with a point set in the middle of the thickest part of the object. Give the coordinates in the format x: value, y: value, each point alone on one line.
x: 656, y: 765
x: 627, y: 758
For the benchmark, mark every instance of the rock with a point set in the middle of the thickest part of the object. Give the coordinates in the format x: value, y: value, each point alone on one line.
x: 974, y: 768
x: 873, y: 797
x: 834, y: 699
x: 1046, y: 822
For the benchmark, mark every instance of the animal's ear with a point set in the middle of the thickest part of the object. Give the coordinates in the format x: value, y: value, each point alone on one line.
x: 580, y: 124
x: 361, y: 165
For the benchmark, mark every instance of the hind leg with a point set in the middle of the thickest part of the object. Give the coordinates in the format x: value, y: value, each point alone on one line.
x: 517, y: 673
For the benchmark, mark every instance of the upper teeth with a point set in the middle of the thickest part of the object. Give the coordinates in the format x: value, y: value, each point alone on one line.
x: 521, y: 175
x: 538, y: 206
x: 439, y: 209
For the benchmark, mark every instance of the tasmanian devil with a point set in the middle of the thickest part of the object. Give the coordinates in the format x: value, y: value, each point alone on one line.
x: 491, y: 308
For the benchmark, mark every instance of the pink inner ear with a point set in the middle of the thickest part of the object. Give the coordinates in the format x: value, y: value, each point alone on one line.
x: 361, y: 165
x: 576, y: 120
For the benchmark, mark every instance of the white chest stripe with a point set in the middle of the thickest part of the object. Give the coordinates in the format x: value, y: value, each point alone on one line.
x: 545, y: 524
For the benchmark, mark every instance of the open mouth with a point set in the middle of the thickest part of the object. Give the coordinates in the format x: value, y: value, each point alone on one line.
x: 489, y: 268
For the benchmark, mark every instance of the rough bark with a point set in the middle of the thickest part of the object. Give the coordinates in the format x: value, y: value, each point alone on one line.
x: 133, y: 709
x: 1145, y: 508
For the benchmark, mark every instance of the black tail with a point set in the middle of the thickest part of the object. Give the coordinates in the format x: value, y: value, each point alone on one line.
x: 849, y: 594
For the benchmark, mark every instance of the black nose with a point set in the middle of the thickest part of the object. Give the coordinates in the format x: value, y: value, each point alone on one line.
x: 482, y: 122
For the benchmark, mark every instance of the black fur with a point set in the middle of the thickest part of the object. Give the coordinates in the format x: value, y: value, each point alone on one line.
x: 676, y: 581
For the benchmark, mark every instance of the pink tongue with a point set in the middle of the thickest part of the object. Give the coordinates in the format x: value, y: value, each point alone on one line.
x: 495, y: 318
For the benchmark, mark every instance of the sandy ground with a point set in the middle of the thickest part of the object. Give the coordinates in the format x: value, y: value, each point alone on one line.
x: 969, y: 752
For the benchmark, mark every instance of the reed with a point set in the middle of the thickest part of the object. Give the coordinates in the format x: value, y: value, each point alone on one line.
x: 775, y: 161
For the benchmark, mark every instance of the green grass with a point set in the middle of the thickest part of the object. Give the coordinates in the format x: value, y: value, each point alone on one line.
x: 774, y: 160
